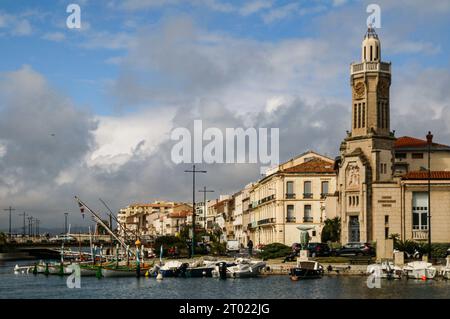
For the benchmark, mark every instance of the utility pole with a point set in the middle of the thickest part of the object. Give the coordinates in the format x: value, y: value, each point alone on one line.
x: 429, y: 142
x: 194, y: 171
x: 37, y: 227
x: 10, y: 209
x: 30, y: 223
x: 204, y: 191
x: 24, y: 231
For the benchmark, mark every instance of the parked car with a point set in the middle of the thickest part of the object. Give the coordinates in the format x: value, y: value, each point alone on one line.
x: 318, y: 249
x: 355, y: 249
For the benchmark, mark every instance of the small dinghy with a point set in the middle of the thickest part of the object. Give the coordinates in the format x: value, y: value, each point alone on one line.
x: 171, y: 268
x: 419, y: 270
x: 307, y: 269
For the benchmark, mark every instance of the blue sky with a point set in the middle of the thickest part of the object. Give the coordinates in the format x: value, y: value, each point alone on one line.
x: 80, y: 68
x: 114, y: 90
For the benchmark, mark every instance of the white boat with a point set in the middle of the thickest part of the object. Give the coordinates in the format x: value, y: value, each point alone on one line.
x: 445, y: 272
x: 419, y: 270
x: 171, y: 268
x: 385, y: 270
x: 23, y: 269
x: 243, y: 268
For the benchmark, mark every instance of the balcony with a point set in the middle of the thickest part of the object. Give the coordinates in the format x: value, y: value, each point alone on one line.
x: 307, y: 195
x: 370, y: 66
x: 308, y: 219
x: 266, y: 221
x: 290, y: 196
x: 420, y: 234
x: 290, y: 219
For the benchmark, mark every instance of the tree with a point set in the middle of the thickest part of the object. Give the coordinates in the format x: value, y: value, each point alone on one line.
x: 331, y: 230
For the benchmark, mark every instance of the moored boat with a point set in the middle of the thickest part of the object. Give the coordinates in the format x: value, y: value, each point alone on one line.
x: 385, y: 270
x: 307, y: 269
x: 242, y: 268
x: 419, y: 270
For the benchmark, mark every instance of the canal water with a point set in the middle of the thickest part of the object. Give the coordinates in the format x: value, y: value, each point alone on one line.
x: 271, y: 287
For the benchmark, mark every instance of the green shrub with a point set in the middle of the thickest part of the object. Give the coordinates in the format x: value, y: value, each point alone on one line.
x: 218, y: 248
x: 275, y: 250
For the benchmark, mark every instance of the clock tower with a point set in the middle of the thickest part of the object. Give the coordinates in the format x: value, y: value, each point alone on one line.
x: 370, y: 81
x: 367, y: 151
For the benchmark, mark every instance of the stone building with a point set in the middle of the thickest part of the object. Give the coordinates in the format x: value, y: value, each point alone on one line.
x: 292, y: 194
x: 382, y: 181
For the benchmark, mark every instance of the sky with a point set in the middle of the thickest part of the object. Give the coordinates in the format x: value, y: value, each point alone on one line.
x: 89, y: 111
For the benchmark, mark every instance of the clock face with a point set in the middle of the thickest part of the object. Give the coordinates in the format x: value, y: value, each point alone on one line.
x: 359, y: 89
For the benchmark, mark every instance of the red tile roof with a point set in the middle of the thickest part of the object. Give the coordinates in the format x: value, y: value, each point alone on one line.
x: 313, y: 166
x: 181, y: 214
x: 436, y: 175
x: 408, y: 141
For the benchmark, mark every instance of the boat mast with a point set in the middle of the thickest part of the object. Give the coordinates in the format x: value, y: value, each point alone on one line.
x: 99, y: 220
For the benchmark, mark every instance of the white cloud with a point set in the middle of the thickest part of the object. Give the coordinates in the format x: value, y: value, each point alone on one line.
x: 252, y: 7
x: 281, y: 12
x: 119, y: 138
x: 15, y: 25
x: 54, y: 36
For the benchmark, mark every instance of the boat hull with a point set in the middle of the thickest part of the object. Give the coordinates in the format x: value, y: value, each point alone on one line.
x: 111, y: 272
x: 303, y: 273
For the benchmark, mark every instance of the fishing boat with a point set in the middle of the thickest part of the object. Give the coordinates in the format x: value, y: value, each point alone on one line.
x: 242, y: 268
x: 124, y: 271
x: 385, y: 270
x: 419, y: 270
x: 307, y: 269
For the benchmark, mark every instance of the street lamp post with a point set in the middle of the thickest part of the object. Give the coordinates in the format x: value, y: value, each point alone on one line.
x: 194, y: 171
x: 429, y: 143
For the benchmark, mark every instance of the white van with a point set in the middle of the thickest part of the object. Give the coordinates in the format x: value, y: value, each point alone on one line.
x: 233, y: 245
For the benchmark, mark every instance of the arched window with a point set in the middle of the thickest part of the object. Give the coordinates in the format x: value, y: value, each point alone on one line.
x: 355, y: 117
x: 371, y: 53
x: 365, y: 53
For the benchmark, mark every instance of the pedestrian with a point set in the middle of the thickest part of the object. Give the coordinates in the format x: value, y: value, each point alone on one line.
x: 250, y: 247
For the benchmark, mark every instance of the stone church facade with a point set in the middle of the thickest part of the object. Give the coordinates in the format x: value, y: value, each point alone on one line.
x: 382, y: 181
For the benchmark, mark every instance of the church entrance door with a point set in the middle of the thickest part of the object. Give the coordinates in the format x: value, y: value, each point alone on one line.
x: 353, y: 229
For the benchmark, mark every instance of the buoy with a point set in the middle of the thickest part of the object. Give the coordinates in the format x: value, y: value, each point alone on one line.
x: 147, y: 274
x: 159, y: 277
x: 424, y: 278
x: 294, y: 278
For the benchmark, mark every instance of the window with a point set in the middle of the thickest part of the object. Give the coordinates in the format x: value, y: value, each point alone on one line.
x: 364, y: 115
x: 290, y: 189
x: 385, y: 115
x: 420, y: 211
x: 290, y: 216
x: 365, y: 53
x: 386, y: 233
x: 417, y: 155
x: 324, y: 188
x: 400, y: 155
x: 386, y: 219
x: 307, y: 191
x: 355, y: 117
x: 307, y: 214
x: 359, y: 115
x: 371, y: 53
